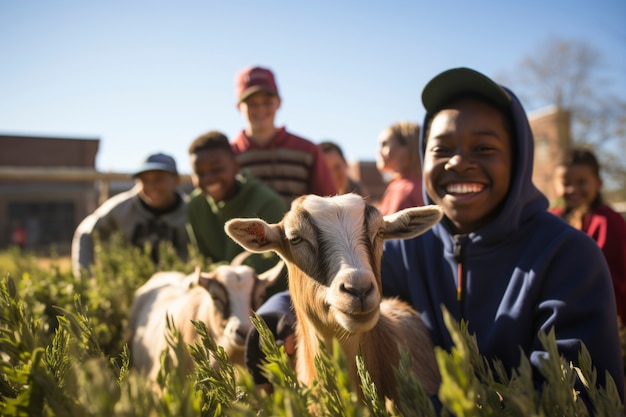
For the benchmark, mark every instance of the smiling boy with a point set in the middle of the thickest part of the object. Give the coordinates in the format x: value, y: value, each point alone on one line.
x: 221, y: 194
x: 150, y: 213
x: 498, y: 259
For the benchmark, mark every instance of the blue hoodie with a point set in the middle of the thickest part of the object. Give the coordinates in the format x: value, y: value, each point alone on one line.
x: 527, y: 271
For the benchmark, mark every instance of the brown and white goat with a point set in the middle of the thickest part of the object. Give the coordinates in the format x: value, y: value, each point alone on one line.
x: 223, y: 299
x: 332, y: 247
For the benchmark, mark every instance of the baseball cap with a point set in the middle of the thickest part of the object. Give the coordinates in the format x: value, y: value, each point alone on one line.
x: 252, y: 80
x: 457, y: 81
x: 157, y: 162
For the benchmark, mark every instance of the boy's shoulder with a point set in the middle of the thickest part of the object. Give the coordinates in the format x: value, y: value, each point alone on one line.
x: 196, y: 198
x: 119, y: 201
x: 286, y: 139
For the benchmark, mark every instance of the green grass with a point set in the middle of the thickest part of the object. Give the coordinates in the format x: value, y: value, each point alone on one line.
x: 63, y: 354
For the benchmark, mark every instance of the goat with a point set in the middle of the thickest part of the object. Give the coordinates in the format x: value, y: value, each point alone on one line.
x: 223, y: 299
x: 332, y: 247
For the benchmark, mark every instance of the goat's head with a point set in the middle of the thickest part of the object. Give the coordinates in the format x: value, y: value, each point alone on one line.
x: 236, y: 291
x: 333, y: 247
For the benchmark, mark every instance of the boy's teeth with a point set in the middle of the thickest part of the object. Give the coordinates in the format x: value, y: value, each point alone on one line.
x: 464, y: 188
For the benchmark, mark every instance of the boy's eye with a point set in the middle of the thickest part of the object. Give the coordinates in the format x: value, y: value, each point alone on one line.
x: 439, y: 150
x: 484, y: 148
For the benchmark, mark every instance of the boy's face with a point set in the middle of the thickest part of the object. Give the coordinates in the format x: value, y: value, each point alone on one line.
x: 578, y: 185
x: 157, y: 188
x: 337, y: 167
x: 260, y: 110
x: 468, y: 163
x: 214, y: 172
x: 393, y: 156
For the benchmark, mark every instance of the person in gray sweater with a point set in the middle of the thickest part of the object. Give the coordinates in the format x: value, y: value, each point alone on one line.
x: 153, y: 211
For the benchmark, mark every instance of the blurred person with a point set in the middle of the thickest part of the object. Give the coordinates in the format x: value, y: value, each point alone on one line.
x: 290, y: 165
x: 398, y: 158
x: 222, y: 193
x: 19, y: 235
x: 150, y: 213
x: 578, y: 186
x: 338, y: 167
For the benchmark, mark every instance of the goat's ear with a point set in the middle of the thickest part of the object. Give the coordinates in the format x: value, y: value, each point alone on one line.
x: 411, y: 222
x: 253, y: 234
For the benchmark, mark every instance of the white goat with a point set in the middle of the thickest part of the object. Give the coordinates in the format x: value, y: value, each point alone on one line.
x: 223, y: 299
x: 333, y: 247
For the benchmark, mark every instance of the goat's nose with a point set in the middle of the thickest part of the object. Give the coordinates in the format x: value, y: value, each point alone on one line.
x: 359, y: 290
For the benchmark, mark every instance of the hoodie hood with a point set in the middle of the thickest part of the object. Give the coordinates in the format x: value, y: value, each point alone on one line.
x: 523, y: 199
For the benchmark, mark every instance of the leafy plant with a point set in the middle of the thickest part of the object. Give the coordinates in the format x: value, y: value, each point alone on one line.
x: 62, y: 353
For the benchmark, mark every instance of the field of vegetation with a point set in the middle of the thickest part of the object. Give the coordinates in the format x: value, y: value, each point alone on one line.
x: 62, y: 353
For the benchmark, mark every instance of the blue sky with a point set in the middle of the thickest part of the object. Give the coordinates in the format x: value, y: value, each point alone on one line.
x: 148, y: 76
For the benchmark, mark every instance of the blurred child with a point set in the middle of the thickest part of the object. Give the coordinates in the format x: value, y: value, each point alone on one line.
x: 290, y: 165
x: 398, y: 157
x: 152, y: 212
x: 338, y: 167
x: 578, y: 185
x: 222, y: 194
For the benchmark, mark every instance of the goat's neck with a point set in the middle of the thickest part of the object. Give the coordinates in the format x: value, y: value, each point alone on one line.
x: 313, y: 326
x: 308, y: 347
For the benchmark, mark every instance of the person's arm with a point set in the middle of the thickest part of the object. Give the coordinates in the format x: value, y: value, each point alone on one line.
x: 102, y: 222
x: 83, y: 241
x: 280, y: 319
x: 575, y: 297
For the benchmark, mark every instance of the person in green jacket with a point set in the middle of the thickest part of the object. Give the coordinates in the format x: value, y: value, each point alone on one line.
x: 222, y: 193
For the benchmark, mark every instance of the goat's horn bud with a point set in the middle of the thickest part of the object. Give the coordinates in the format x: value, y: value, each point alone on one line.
x: 239, y: 259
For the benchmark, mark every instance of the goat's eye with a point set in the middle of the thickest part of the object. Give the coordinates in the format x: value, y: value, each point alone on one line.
x: 381, y: 233
x: 294, y: 240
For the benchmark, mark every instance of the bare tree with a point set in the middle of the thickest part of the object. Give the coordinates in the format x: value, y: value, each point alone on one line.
x: 573, y: 76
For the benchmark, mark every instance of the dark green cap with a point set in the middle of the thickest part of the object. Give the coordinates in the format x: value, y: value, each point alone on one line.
x: 460, y: 81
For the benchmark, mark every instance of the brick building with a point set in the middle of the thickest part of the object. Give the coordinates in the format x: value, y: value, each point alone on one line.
x: 551, y: 129
x: 35, y: 196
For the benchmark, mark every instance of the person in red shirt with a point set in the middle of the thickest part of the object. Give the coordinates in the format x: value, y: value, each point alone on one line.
x: 289, y: 164
x: 398, y: 156
x: 578, y: 185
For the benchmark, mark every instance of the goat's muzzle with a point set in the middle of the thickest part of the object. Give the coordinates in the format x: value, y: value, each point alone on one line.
x: 355, y: 300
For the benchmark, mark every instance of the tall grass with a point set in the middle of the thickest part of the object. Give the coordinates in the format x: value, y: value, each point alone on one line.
x: 62, y: 353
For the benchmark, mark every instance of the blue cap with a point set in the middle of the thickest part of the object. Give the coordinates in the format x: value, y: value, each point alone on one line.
x: 157, y: 162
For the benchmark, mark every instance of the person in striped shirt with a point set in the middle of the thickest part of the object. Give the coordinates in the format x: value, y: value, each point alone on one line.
x: 289, y: 164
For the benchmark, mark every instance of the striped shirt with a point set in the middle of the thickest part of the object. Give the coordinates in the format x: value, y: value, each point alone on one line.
x: 291, y: 165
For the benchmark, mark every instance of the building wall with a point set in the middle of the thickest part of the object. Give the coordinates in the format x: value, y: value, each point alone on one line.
x: 33, y: 151
x: 48, y: 210
x: 551, y: 129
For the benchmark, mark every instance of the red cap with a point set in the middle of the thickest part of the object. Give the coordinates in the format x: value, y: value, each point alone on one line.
x: 252, y: 80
